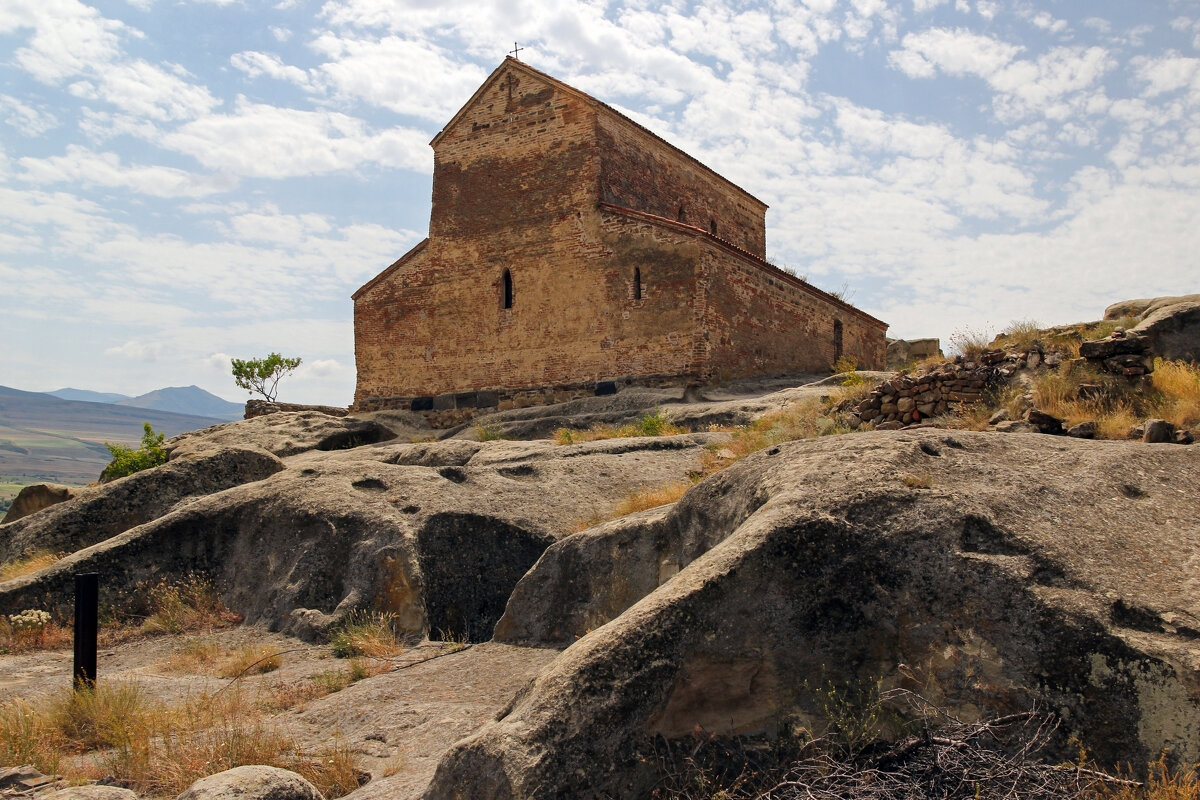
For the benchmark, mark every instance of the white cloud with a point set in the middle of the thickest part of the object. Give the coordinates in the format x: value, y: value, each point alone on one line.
x: 138, y: 351
x: 921, y: 6
x: 26, y: 119
x: 259, y: 140
x: 280, y: 33
x: 1053, y: 84
x: 1168, y: 73
x: 955, y: 52
x: 105, y: 169
x: 408, y: 77
x: 218, y: 361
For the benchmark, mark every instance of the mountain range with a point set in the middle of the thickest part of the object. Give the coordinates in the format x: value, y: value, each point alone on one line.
x: 44, y: 437
x: 177, y: 399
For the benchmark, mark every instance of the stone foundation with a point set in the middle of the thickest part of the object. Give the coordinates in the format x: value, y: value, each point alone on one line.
x: 449, y: 410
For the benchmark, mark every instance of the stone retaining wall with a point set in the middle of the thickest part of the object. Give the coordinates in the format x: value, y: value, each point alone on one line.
x: 908, y: 399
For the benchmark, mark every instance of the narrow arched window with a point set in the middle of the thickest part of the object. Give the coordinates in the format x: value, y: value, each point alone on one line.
x: 637, y: 283
x: 681, y: 216
x: 507, y: 289
x: 837, y: 340
x: 712, y: 227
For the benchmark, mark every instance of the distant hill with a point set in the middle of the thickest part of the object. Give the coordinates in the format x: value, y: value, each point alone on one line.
x: 43, y: 437
x: 87, y: 396
x: 186, y: 400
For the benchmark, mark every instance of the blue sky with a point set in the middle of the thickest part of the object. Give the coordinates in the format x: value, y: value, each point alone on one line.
x: 186, y: 180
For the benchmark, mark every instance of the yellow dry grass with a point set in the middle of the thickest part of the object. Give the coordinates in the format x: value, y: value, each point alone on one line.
x: 654, y: 423
x: 1178, y: 384
x: 652, y: 497
x: 27, y: 565
x: 159, y: 750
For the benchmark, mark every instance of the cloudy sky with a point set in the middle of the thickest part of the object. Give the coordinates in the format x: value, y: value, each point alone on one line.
x: 186, y: 180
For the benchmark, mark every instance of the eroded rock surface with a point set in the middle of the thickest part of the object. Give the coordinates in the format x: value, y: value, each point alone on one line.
x: 437, y: 533
x: 986, y: 572
x: 96, y: 513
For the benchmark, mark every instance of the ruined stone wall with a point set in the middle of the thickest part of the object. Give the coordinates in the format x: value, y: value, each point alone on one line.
x: 760, y: 321
x: 643, y: 173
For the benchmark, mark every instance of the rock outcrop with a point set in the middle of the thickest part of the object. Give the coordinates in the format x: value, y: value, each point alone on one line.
x: 902, y: 352
x: 436, y: 532
x: 986, y: 572
x: 97, y: 513
x: 35, y: 497
x: 1168, y: 327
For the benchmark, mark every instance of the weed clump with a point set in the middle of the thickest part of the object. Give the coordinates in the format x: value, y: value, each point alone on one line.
x: 366, y: 633
x: 653, y: 423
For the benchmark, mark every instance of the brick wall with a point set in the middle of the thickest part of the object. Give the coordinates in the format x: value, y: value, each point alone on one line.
x: 663, y: 181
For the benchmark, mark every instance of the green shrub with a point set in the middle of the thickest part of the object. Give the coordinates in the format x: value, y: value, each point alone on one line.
x: 126, y: 460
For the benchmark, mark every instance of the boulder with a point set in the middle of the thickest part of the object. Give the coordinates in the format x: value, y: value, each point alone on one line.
x: 35, y: 497
x: 252, y: 783
x: 1173, y: 330
x: 901, y: 352
x: 1142, y: 307
x: 828, y: 567
x: 1169, y: 328
x: 258, y: 408
x: 1157, y: 431
x: 1084, y: 430
x: 1044, y: 422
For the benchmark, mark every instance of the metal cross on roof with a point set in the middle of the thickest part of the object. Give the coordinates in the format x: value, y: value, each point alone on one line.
x: 515, y: 50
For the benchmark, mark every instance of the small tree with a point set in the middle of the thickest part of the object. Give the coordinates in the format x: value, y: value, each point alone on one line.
x: 126, y: 460
x: 262, y: 375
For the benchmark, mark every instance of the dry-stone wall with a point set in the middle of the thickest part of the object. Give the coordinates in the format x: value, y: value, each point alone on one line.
x: 908, y: 399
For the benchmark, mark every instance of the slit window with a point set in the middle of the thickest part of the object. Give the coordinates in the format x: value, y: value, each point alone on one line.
x: 837, y: 340
x: 506, y: 290
x: 637, y: 283
x: 681, y: 216
x: 712, y: 227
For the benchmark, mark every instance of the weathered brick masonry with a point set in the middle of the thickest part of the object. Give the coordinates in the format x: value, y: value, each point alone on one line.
x: 571, y: 251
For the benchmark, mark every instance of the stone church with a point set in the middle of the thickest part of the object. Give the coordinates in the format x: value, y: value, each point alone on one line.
x: 570, y: 252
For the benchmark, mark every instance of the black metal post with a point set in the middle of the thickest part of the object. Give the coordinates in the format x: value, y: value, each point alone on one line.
x: 87, y: 616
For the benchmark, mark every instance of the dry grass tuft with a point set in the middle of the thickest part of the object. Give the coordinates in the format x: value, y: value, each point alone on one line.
x: 367, y: 633
x: 27, y: 565
x: 251, y: 660
x: 187, y: 604
x: 1178, y: 385
x: 1162, y: 783
x: 969, y: 342
x: 115, y: 729
x: 805, y: 419
x: 27, y: 736
x: 1021, y: 334
x: 333, y: 771
x: 651, y: 498
x: 654, y: 423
